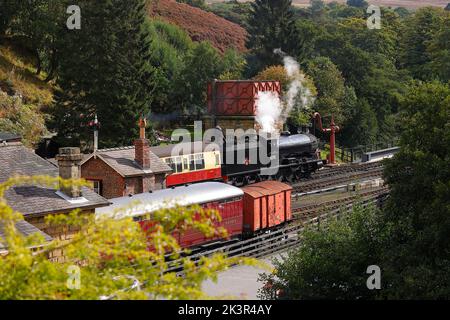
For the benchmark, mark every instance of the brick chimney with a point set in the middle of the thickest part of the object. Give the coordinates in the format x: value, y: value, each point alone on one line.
x: 69, y: 160
x: 142, y: 146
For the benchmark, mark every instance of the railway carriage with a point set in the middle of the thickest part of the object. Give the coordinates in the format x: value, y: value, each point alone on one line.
x: 190, y: 162
x: 251, y: 210
x: 226, y: 199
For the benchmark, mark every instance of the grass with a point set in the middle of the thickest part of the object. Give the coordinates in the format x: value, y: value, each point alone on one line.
x: 326, y: 151
x: 18, y: 74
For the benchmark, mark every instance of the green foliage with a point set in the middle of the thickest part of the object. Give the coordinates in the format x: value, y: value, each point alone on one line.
x: 420, y: 30
x: 361, y: 127
x: 271, y: 26
x: 438, y: 50
x: 22, y: 119
x: 408, y: 239
x: 331, y: 262
x: 203, y: 64
x: 418, y: 210
x: 9, y: 10
x: 111, y: 251
x: 105, y: 71
x: 358, y: 3
x: 195, y: 3
x: 234, y: 11
x: 330, y: 86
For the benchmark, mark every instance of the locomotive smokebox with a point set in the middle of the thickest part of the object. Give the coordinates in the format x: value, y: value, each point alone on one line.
x: 232, y: 104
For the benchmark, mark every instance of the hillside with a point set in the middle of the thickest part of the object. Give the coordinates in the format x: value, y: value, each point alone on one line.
x: 410, y: 4
x: 18, y: 75
x: 201, y: 25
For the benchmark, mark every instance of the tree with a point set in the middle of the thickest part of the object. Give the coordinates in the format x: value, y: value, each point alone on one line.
x: 317, y: 7
x: 23, y: 119
x: 330, y: 86
x: 330, y: 263
x: 274, y: 73
x: 202, y: 65
x: 420, y: 31
x: 195, y: 3
x: 105, y: 72
x: 111, y: 253
x: 9, y: 10
x: 40, y: 23
x: 438, y: 50
x: 361, y: 127
x: 418, y: 209
x: 357, y: 3
x: 271, y: 26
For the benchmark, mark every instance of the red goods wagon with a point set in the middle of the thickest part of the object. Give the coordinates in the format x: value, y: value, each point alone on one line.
x: 224, y: 198
x: 266, y: 205
x: 237, y: 97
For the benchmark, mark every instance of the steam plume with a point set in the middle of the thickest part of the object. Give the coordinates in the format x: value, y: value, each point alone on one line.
x: 269, y: 109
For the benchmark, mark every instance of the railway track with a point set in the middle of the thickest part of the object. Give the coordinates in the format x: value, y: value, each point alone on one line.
x: 307, y: 211
x: 287, y: 236
x: 335, y: 180
x: 343, y: 169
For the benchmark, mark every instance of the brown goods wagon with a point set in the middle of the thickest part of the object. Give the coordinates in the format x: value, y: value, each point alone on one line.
x: 266, y: 205
x: 237, y: 97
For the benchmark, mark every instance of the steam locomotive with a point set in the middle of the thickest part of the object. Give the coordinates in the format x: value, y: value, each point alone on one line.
x: 242, y: 160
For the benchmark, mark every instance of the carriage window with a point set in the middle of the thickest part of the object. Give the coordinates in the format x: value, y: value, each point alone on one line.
x: 199, y: 162
x: 185, y: 164
x: 179, y: 164
x: 171, y: 164
x: 191, y: 163
x: 217, y: 159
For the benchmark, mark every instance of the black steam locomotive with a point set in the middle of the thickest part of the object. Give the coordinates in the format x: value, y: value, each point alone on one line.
x: 290, y: 157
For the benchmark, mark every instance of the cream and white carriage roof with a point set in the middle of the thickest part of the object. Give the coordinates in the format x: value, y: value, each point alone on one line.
x: 140, y: 204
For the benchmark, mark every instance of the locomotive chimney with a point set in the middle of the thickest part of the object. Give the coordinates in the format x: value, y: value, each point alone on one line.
x: 69, y: 160
x: 142, y: 146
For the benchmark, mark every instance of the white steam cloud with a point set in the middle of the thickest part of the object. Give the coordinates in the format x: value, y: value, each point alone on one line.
x: 270, y: 109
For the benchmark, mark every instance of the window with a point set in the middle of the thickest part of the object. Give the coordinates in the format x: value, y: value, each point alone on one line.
x: 97, y: 186
x: 179, y: 164
x: 191, y: 163
x: 199, y: 162
x: 185, y: 163
x: 217, y: 159
x: 171, y: 164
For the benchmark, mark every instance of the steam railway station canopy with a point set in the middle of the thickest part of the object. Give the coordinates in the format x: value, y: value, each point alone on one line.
x: 17, y: 160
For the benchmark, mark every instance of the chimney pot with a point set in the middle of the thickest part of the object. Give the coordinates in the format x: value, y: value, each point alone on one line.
x: 142, y: 146
x: 69, y: 163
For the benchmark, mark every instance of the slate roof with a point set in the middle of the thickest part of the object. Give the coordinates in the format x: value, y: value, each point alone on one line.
x: 122, y: 161
x: 6, y: 136
x: 183, y: 149
x: 15, y: 159
x: 25, y: 229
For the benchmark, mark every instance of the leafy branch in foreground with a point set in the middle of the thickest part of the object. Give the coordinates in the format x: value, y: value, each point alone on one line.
x: 115, y: 257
